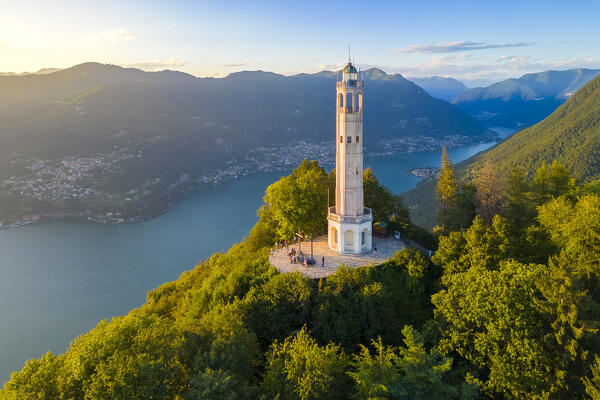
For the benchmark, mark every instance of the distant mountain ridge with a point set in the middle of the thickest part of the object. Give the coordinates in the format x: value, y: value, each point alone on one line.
x: 40, y: 72
x: 129, y: 134
x: 570, y: 135
x: 442, y: 88
x: 518, y: 103
x: 265, y: 106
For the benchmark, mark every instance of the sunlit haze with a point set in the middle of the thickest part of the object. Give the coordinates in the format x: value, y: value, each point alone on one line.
x: 467, y: 40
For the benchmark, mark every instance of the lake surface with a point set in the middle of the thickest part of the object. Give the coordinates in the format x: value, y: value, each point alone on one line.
x: 58, y: 279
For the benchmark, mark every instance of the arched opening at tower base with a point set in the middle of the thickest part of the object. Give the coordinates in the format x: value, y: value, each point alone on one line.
x: 365, y: 239
x: 349, y: 240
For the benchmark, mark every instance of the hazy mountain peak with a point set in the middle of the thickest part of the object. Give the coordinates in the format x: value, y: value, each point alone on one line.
x: 255, y: 75
x: 524, y: 101
x: 442, y: 88
x: 375, y: 72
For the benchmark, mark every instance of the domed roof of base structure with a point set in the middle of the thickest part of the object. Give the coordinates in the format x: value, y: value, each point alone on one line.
x: 349, y: 68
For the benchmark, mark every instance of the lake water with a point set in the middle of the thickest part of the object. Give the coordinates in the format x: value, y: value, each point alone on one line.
x: 58, y: 279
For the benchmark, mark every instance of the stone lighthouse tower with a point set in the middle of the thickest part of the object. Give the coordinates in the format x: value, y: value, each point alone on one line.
x: 350, y: 224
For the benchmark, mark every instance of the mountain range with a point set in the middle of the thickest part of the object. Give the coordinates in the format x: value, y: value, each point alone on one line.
x: 138, y: 127
x: 522, y: 102
x: 570, y: 135
x: 83, y: 109
x: 442, y: 88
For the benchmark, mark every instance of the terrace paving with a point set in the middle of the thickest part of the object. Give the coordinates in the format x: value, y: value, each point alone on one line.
x: 386, y: 248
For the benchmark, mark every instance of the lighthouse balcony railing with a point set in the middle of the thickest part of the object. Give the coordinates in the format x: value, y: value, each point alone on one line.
x: 349, y: 84
x: 367, y: 216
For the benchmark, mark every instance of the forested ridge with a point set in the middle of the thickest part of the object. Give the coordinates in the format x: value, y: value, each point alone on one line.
x: 570, y: 135
x: 507, y: 308
x: 522, y: 102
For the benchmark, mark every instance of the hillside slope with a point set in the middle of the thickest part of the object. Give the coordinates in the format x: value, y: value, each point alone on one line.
x: 522, y: 102
x: 571, y: 135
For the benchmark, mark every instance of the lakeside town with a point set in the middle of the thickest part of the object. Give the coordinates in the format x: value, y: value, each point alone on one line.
x: 76, y: 186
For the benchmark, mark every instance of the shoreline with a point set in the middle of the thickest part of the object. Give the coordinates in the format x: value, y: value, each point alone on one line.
x: 176, y: 195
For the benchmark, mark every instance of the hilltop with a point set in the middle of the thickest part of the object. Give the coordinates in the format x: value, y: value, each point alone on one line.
x: 496, y: 313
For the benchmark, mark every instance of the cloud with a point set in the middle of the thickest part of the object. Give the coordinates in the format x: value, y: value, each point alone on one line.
x: 117, y: 35
x: 331, y: 67
x: 156, y: 65
x: 236, y: 64
x: 469, y: 67
x: 454, y: 47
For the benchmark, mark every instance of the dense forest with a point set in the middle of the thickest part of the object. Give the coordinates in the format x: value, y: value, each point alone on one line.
x: 570, y: 136
x: 507, y: 308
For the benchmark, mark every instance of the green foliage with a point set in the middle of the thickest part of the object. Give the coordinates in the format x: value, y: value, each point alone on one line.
x: 592, y: 386
x: 39, y: 379
x: 517, y: 325
x: 456, y: 201
x: 446, y: 189
x: 298, y: 202
x: 264, y: 233
x: 481, y: 246
x: 575, y: 228
x: 401, y: 373
x: 379, y: 198
x: 509, y: 308
x: 211, y: 384
x: 399, y: 290
x: 277, y: 308
x: 299, y: 368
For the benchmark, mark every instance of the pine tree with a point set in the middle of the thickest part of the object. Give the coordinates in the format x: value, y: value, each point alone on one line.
x: 490, y: 190
x: 446, y: 188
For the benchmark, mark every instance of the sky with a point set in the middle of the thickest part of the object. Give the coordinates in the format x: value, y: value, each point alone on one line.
x: 474, y: 41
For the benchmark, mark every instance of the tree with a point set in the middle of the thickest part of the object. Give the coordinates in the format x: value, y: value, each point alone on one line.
x: 39, y: 379
x: 490, y: 192
x: 264, y: 233
x: 551, y: 181
x: 446, y: 188
x: 575, y: 228
x: 298, y: 202
x: 465, y: 209
x: 408, y: 372
x: 519, y: 327
x: 379, y: 198
x: 210, y: 384
x: 299, y: 368
x: 592, y: 386
x: 520, y: 205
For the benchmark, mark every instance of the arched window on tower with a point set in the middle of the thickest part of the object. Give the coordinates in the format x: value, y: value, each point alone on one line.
x: 341, y: 101
x: 360, y: 102
x: 349, y: 102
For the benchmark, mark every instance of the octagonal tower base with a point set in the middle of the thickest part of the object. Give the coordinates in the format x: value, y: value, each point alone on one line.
x: 350, y: 235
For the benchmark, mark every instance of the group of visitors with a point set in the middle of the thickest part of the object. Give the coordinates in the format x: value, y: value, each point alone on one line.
x: 296, y: 257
